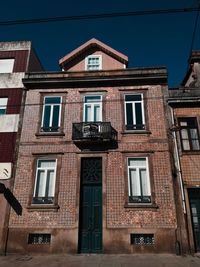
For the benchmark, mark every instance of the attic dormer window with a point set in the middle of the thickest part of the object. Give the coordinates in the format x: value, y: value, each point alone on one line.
x: 93, y: 62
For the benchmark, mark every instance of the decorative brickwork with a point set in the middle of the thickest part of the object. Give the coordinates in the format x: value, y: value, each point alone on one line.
x: 119, y: 218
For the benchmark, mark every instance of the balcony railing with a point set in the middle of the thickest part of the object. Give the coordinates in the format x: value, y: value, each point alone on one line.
x: 42, y: 200
x: 49, y: 129
x: 101, y: 131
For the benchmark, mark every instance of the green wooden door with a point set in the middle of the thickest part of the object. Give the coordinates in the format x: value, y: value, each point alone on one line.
x: 194, y: 196
x: 90, y: 217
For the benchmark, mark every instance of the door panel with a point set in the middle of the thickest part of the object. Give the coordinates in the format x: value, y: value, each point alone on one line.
x: 194, y: 197
x: 90, y: 218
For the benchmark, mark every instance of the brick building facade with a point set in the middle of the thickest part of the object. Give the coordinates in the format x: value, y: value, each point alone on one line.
x: 15, y: 59
x: 94, y: 172
x: 185, y: 122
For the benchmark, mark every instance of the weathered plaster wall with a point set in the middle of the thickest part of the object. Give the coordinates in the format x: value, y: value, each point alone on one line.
x: 11, y: 80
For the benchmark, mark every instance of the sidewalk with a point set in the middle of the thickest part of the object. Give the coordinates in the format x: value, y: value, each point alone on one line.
x: 103, y: 260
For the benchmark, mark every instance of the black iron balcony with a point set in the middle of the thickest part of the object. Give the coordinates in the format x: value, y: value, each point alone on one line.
x: 94, y: 131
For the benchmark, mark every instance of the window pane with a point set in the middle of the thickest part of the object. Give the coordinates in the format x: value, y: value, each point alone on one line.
x: 47, y: 163
x: 93, y: 67
x: 194, y: 215
x: 55, y: 121
x: 90, y: 67
x: 185, y: 141
x: 97, y: 113
x: 186, y: 144
x: 133, y: 98
x: 137, y: 162
x: 6, y: 65
x: 129, y: 114
x: 52, y: 100
x: 138, y: 110
x: 195, y: 145
x: 183, y: 123
x: 2, y: 111
x: 134, y: 183
x: 90, y: 99
x: 3, y: 105
x: 40, y: 186
x: 195, y: 139
x: 184, y: 134
x: 93, y: 60
x: 193, y: 133
x: 88, y: 113
x: 96, y: 60
x: 46, y: 119
x: 144, y: 183
x: 50, y: 187
x: 90, y: 60
x: 3, y: 102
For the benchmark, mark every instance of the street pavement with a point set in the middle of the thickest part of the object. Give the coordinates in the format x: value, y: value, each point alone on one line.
x: 103, y: 260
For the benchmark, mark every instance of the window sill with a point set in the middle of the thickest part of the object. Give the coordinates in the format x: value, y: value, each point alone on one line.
x: 191, y: 152
x: 136, y: 132
x: 49, y: 134
x: 43, y: 208
x: 140, y: 206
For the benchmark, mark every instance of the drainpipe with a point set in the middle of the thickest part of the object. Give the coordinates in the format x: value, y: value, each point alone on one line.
x: 178, y: 164
x: 178, y: 244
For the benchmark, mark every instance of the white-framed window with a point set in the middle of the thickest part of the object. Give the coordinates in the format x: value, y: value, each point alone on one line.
x: 6, y: 65
x: 134, y: 112
x: 139, y: 189
x: 92, y: 108
x: 44, y: 189
x: 93, y: 62
x: 3, y: 105
x: 51, y: 114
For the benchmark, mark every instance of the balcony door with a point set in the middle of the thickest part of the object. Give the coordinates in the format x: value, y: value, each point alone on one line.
x: 92, y: 108
x: 90, y: 216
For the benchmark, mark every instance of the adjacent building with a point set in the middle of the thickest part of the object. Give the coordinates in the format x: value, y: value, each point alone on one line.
x: 15, y: 59
x: 94, y: 173
x: 184, y: 105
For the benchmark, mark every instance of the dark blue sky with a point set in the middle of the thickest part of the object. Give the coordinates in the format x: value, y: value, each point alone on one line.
x: 153, y: 40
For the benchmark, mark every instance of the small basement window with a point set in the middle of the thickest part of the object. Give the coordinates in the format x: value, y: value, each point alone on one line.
x: 142, y: 239
x: 39, y: 239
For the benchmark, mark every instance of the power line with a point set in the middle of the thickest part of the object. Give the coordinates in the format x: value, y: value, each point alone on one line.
x: 115, y: 100
x: 98, y: 16
x: 195, y: 28
x: 81, y: 102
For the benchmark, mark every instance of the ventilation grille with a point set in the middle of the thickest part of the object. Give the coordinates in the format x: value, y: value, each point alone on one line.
x: 142, y: 239
x: 39, y: 239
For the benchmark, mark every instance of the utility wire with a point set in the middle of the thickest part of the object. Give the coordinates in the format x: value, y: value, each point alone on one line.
x: 98, y: 16
x: 106, y: 101
x: 195, y: 29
